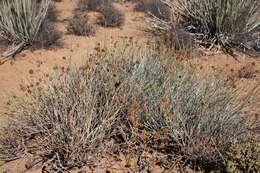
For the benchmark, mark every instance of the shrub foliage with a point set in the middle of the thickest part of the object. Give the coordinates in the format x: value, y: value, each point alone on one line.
x: 93, y: 5
x: 80, y: 25
x: 110, y: 17
x: 155, y: 7
x: 135, y: 98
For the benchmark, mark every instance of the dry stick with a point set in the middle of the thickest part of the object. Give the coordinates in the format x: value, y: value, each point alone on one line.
x: 14, y: 50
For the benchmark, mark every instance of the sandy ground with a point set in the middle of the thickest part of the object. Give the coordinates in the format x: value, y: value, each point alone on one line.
x: 14, y: 72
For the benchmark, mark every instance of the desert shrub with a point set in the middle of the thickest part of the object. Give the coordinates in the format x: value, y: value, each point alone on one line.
x: 193, y: 115
x: 81, y: 26
x: 110, y: 17
x: 230, y: 24
x: 66, y: 120
x: 243, y: 155
x: 155, y: 7
x: 11, y: 147
x: 93, y: 5
x: 47, y: 36
x: 179, y: 40
x: 20, y: 21
x: 121, y: 91
x: 52, y: 13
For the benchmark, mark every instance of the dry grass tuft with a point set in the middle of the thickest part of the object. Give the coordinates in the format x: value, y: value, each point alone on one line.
x: 111, y: 17
x: 48, y: 36
x: 80, y: 26
x: 93, y: 5
x: 154, y: 7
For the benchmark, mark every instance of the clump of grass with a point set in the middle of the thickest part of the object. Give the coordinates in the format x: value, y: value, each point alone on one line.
x: 154, y: 7
x: 66, y: 120
x: 185, y: 113
x: 137, y: 99
x: 110, y: 17
x: 93, y: 5
x: 20, y: 22
x: 81, y: 26
x: 47, y: 36
x: 52, y: 13
x: 228, y: 24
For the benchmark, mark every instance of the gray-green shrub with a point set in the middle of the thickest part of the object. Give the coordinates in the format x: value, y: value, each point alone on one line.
x: 122, y: 89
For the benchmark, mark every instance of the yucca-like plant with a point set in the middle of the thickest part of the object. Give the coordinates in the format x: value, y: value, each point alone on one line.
x: 20, y: 21
x: 229, y: 23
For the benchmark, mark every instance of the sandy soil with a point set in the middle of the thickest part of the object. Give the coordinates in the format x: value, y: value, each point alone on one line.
x: 14, y: 72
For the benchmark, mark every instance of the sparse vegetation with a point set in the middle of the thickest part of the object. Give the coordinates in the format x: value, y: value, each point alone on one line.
x: 154, y: 7
x: 52, y: 14
x: 81, y: 26
x: 96, y: 5
x: 47, y: 36
x: 132, y: 108
x: 110, y: 17
x: 137, y: 99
